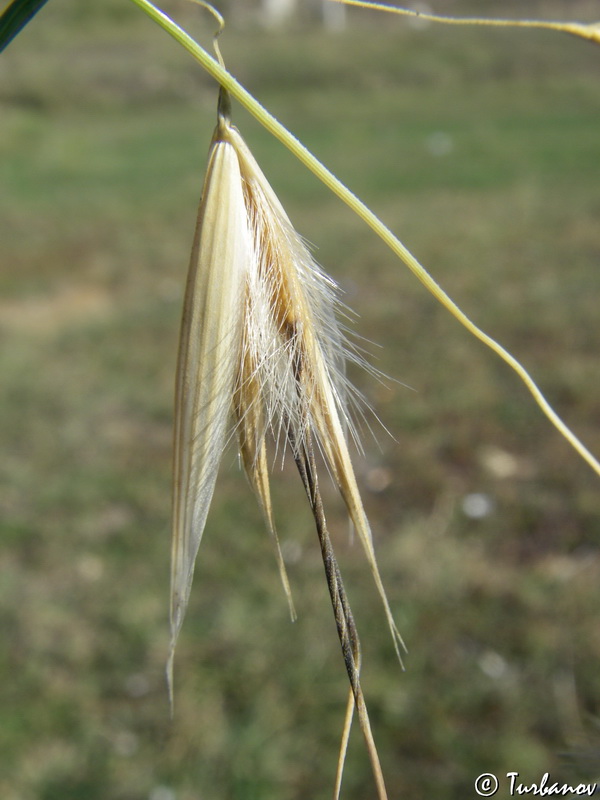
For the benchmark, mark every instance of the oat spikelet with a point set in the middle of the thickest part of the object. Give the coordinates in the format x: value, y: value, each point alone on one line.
x: 261, y: 353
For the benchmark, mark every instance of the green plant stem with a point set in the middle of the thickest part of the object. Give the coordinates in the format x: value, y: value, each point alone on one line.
x: 225, y: 79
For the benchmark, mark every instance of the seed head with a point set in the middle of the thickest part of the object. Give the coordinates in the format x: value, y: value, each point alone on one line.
x: 261, y: 353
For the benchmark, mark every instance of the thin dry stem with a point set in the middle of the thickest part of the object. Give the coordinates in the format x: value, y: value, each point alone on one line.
x: 344, y: 620
x: 590, y: 31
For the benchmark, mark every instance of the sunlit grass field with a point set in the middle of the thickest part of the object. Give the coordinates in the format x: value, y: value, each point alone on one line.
x: 482, y: 151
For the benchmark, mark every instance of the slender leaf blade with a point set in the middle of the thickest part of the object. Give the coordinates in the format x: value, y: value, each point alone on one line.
x: 15, y: 17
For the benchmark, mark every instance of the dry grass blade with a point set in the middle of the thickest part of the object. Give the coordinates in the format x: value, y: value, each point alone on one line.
x: 207, y: 365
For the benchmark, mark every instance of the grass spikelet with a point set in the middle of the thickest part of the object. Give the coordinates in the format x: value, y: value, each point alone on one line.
x: 262, y: 354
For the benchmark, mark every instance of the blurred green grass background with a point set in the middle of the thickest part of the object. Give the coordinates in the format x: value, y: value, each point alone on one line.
x: 481, y: 149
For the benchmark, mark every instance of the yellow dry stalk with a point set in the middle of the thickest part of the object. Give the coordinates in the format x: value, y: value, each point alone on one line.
x: 236, y: 90
x: 260, y: 343
x: 590, y: 31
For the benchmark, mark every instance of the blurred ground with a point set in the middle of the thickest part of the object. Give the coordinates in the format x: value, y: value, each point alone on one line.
x: 481, y: 150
